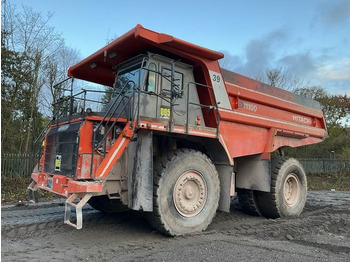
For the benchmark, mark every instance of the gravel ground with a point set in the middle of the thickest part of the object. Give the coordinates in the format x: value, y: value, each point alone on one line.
x: 321, y: 233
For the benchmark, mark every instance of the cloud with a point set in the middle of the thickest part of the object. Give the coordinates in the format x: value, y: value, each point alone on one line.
x: 301, y: 64
x: 261, y: 51
x: 328, y: 71
x: 327, y: 67
x: 337, y: 87
x: 334, y: 13
x: 230, y: 61
x: 335, y: 70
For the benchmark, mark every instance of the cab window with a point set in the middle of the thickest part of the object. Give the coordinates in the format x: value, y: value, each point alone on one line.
x: 150, y: 85
x: 166, y: 84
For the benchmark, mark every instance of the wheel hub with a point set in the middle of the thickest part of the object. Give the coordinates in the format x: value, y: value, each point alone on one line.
x: 291, y: 189
x: 190, y: 193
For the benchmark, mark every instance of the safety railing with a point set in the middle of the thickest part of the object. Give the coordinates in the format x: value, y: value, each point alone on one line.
x: 172, y: 94
x: 115, y: 111
x: 210, y: 107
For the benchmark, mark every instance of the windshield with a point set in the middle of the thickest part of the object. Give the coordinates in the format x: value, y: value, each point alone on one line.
x: 129, y: 76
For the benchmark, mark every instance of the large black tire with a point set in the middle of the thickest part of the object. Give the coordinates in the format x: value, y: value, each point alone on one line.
x: 248, y: 201
x: 193, y: 177
x: 288, y: 190
x: 106, y: 205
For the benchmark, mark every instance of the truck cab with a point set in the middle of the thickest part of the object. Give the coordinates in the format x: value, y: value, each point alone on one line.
x: 160, y: 79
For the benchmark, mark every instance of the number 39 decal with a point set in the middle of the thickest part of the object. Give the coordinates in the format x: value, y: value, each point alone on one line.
x: 216, y: 78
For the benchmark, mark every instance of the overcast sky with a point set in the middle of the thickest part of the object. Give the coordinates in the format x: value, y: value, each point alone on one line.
x: 311, y: 39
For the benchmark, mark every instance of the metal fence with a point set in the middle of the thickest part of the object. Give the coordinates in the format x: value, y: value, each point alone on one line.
x: 17, y: 165
x: 324, y: 165
x: 21, y: 165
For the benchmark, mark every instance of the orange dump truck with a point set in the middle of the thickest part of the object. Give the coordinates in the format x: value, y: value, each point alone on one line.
x: 176, y: 136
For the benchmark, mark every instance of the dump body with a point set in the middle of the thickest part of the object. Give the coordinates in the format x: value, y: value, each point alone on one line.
x: 168, y: 94
x: 262, y: 118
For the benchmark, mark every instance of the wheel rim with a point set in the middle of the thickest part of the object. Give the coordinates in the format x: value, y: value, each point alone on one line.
x: 291, y: 189
x: 190, y: 193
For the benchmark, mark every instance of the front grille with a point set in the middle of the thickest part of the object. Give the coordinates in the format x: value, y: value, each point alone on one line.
x: 62, y: 143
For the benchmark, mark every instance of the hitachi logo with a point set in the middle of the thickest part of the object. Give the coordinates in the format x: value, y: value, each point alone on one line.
x: 302, y: 119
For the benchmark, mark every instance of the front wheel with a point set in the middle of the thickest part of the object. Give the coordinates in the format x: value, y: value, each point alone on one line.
x: 186, y: 192
x: 288, y: 190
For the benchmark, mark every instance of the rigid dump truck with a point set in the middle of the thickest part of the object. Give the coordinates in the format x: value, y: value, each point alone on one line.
x: 176, y: 137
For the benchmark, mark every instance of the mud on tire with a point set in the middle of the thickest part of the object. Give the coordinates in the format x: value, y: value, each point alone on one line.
x: 288, y: 190
x: 192, y: 206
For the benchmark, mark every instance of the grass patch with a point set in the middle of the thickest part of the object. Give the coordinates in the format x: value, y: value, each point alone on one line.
x: 322, y: 181
x: 14, y: 189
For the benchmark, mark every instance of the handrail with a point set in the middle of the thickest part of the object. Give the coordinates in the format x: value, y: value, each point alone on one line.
x: 65, y: 80
x: 210, y: 107
x: 109, y: 114
x: 113, y: 104
x: 109, y: 119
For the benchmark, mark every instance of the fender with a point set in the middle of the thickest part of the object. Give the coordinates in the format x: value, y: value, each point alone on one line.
x: 253, y: 172
x: 140, y: 180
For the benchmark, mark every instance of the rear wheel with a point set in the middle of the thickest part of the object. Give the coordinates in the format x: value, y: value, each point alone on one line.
x: 106, y: 205
x: 248, y: 201
x: 186, y: 192
x: 288, y: 190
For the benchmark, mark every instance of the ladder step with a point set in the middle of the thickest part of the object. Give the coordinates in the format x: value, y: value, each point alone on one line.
x: 71, y: 204
x: 78, y: 210
x: 71, y: 224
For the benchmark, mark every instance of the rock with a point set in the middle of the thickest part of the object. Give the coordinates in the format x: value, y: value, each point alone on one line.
x: 289, y: 237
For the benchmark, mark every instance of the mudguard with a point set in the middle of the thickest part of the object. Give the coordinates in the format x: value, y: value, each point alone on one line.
x: 140, y: 180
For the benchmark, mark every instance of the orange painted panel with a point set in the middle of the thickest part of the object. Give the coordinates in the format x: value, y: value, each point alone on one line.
x: 243, y: 140
x: 115, y: 152
x: 84, y: 165
x: 86, y: 131
x: 259, y: 109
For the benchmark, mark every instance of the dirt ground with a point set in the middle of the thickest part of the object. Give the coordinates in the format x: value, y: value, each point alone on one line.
x: 321, y: 233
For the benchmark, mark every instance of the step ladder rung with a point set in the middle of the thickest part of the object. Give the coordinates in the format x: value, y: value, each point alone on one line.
x: 78, y: 210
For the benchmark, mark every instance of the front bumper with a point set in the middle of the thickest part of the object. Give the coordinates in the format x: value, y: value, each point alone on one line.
x: 65, y: 186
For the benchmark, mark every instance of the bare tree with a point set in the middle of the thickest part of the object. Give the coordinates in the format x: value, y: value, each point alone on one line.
x: 281, y: 77
x: 42, y: 49
x: 56, y: 68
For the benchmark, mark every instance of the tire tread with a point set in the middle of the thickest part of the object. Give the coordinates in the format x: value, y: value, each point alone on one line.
x: 161, y: 165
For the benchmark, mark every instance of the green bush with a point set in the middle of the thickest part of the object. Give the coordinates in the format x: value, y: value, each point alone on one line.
x: 323, y: 181
x: 14, y: 189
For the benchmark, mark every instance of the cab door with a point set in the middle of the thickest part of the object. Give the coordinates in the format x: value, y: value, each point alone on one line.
x: 183, y: 76
x: 148, y: 97
x: 165, y: 92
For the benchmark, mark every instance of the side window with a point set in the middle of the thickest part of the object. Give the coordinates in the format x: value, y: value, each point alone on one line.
x: 150, y: 85
x: 166, y: 84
